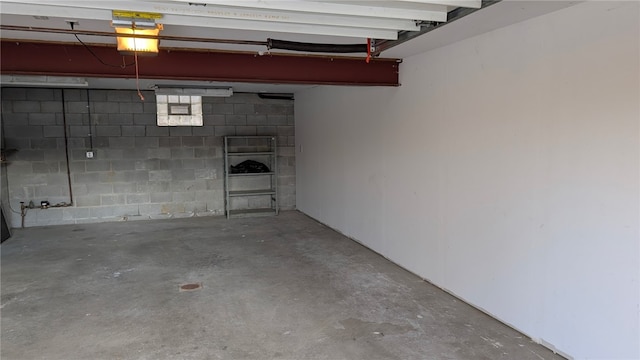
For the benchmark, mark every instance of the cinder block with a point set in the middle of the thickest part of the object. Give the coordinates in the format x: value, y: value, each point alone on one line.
x: 140, y: 176
x: 100, y: 188
x: 55, y: 155
x: 208, y: 152
x: 42, y: 118
x: 78, y: 154
x: 180, y: 197
x: 77, y: 107
x: 97, y: 165
x: 222, y: 109
x: 150, y: 209
x: 161, y: 197
x: 215, y: 163
x: 159, y: 153
x: 180, y: 131
x: 14, y: 119
x: 160, y: 175
x: 6, y: 106
x: 266, y: 130
x: 192, y: 141
x: 246, y: 130
x: 287, y: 180
x: 124, y: 188
x: 86, y: 178
x: 291, y: 120
x: 209, y: 195
x: 153, y: 130
x: 215, y: 184
x: 111, y: 154
x: 14, y: 94
x: 53, y: 131
x: 168, y: 164
x: 75, y: 119
x: 87, y: 200
x: 137, y: 198
x: 256, y: 120
x: 108, y: 130
x: 150, y: 107
x: 113, y: 199
x: 145, y: 118
x: 286, y: 151
x: 154, y: 187
x: 40, y: 94
x: 225, y: 130
x: 47, y: 191
x: 44, y: 143
x: 183, y: 174
x: 17, y: 143
x: 104, y: 107
x: 120, y: 119
x: 57, y: 179
x: 286, y: 131
x: 202, y: 131
x: 131, y: 108
x: 125, y: 164
x: 240, y: 98
x: 25, y: 106
x: 182, y: 153
x: 79, y: 131
x: 192, y: 163
x: 22, y: 131
x: 133, y: 130
x: 71, y: 213
x: 236, y: 119
x: 75, y: 94
x: 76, y: 144
x: 213, y: 141
x: 170, y: 142
x: 149, y: 96
x: 18, y: 168
x: 28, y: 155
x: 277, y: 119
x: 188, y: 185
x: 119, y: 95
x: 122, y: 142
x: 209, y: 119
x: 206, y: 174
x: 243, y: 109
x: 146, y: 164
x: 44, y: 167
x: 100, y: 142
x: 98, y: 95
x: 286, y: 170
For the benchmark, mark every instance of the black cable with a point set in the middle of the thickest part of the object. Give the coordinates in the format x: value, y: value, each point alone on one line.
x: 66, y: 146
x: 100, y: 60
x: 314, y: 47
x: 91, y: 127
x: 97, y: 57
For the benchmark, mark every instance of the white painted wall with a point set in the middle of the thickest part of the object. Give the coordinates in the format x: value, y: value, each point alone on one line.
x: 505, y: 169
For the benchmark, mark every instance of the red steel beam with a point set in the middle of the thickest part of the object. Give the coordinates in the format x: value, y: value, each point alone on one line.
x: 29, y: 58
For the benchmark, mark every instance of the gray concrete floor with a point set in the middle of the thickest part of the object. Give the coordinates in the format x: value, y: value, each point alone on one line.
x: 282, y: 287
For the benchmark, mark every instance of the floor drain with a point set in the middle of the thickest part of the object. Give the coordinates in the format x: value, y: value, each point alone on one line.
x: 190, y: 287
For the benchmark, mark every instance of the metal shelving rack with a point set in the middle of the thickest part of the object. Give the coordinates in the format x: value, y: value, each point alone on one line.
x: 260, y: 190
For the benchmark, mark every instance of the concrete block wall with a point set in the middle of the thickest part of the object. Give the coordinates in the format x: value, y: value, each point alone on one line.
x: 140, y: 170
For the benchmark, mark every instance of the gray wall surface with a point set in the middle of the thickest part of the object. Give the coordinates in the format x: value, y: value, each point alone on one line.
x: 140, y: 170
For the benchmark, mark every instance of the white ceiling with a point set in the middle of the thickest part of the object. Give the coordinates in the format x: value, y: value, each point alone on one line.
x: 314, y: 21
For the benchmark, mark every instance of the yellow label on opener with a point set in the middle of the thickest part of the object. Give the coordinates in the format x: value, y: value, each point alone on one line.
x: 135, y: 15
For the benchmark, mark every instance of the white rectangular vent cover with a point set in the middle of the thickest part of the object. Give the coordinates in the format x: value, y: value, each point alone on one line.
x: 179, y: 110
